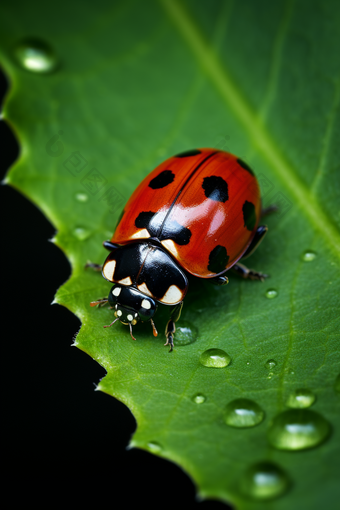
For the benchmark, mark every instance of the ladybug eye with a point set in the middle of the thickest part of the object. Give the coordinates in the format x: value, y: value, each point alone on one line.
x: 132, y: 319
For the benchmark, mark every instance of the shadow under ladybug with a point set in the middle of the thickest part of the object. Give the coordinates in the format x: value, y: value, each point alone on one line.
x: 196, y: 213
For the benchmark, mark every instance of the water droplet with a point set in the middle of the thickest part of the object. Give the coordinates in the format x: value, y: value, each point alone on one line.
x: 248, y: 363
x: 154, y: 447
x: 35, y: 56
x: 337, y: 384
x: 199, y: 398
x: 264, y: 480
x: 270, y: 375
x: 186, y: 333
x: 81, y: 233
x: 271, y: 293
x: 298, y: 429
x: 81, y: 197
x: 308, y: 256
x: 300, y: 399
x: 242, y: 413
x: 215, y: 358
x: 271, y: 363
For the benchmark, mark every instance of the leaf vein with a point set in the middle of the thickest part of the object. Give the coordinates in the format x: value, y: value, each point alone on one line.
x: 326, y: 142
x: 214, y: 69
x: 276, y: 60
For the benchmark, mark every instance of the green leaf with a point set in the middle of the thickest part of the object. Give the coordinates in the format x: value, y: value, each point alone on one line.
x: 120, y: 88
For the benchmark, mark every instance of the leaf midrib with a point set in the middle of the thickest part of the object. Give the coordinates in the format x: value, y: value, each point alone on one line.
x: 260, y: 137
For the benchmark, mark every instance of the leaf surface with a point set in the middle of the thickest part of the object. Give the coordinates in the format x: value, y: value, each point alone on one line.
x: 133, y: 84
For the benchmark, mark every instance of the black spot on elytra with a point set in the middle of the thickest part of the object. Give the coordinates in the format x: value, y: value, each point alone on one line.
x: 176, y: 232
x: 245, y: 166
x: 249, y: 215
x: 162, y: 228
x: 218, y: 259
x: 186, y: 154
x: 163, y: 179
x: 215, y: 188
x: 143, y: 219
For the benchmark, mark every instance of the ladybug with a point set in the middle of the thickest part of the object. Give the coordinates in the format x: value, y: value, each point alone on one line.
x: 197, y: 213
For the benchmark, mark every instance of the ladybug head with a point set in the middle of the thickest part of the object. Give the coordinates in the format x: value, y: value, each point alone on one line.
x: 131, y: 306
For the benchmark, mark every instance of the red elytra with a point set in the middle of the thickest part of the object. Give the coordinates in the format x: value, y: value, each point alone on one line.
x: 213, y: 195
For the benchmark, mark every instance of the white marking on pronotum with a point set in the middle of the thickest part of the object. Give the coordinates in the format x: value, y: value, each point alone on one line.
x: 130, y: 317
x: 119, y: 313
x: 141, y: 234
x: 143, y: 288
x: 126, y: 281
x: 146, y: 304
x: 116, y: 291
x: 109, y: 269
x: 170, y: 246
x: 173, y: 295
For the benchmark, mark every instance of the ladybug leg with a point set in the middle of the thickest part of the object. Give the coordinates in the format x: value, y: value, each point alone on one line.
x: 242, y: 270
x: 259, y: 235
x: 95, y: 267
x: 170, y: 327
x: 219, y: 280
x: 99, y: 302
x: 248, y: 274
x: 268, y: 210
x: 110, y: 246
x: 169, y: 332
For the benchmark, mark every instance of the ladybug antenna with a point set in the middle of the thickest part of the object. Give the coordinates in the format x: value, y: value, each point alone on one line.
x: 155, y: 332
x: 133, y: 338
x: 100, y: 302
x: 111, y: 323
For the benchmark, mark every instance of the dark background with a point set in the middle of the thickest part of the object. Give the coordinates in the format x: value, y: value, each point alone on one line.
x: 62, y: 440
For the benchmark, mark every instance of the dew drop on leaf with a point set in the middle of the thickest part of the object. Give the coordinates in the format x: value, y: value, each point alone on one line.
x: 300, y: 399
x: 242, y: 413
x: 271, y: 293
x: 271, y: 363
x: 308, y: 256
x: 199, y: 398
x: 215, y: 358
x: 81, y: 233
x: 186, y: 333
x: 298, y: 429
x: 154, y: 447
x: 35, y: 56
x: 264, y: 480
x: 81, y: 197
